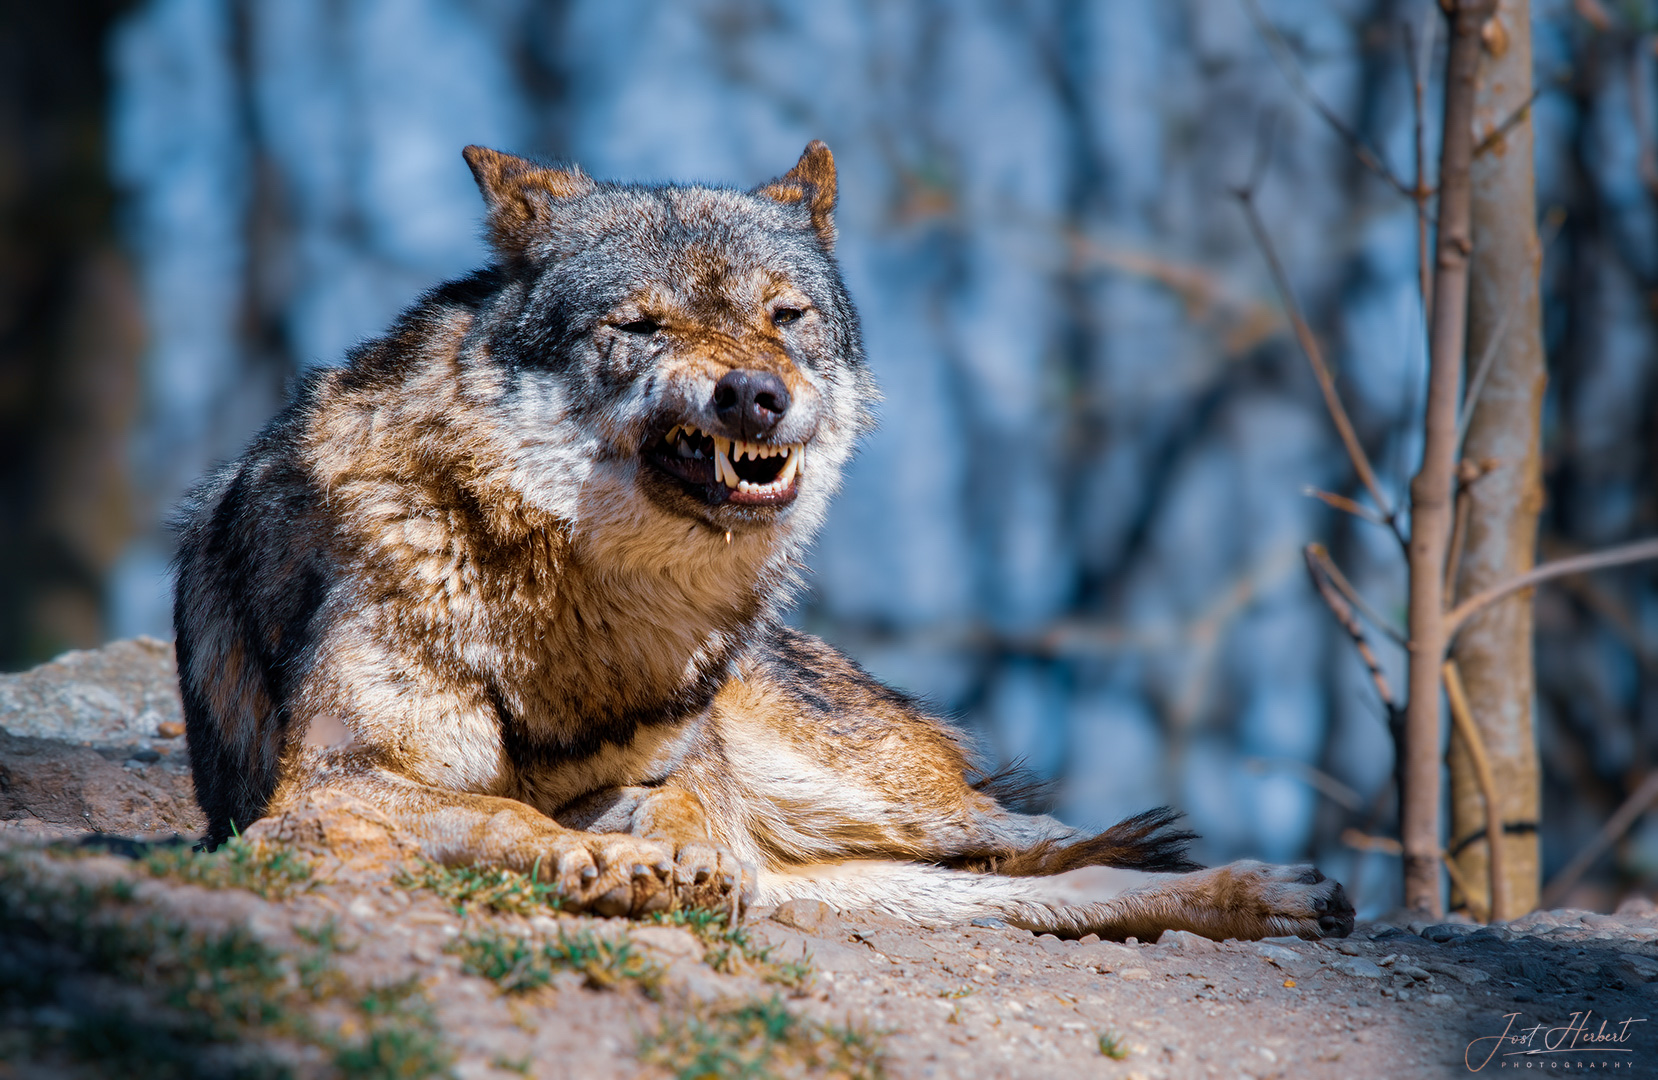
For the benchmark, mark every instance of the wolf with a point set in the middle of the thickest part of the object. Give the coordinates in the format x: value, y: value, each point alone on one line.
x: 516, y: 575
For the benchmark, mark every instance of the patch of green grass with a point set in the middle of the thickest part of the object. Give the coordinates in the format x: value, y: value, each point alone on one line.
x: 959, y: 992
x: 731, y: 949
x: 144, y: 995
x: 1113, y: 1045
x: 271, y: 870
x: 518, y: 965
x: 506, y: 891
x: 318, y: 977
x: 401, y: 1038
x: 759, y: 1040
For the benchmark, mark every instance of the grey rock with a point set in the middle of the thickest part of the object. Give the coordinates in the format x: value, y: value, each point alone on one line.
x: 48, y: 781
x: 1185, y: 941
x: 1286, y: 959
x: 1463, y: 973
x: 1636, y: 967
x: 1443, y: 932
x: 1050, y: 944
x: 1356, y: 966
x: 117, y: 695
x: 1487, y: 935
x: 812, y: 916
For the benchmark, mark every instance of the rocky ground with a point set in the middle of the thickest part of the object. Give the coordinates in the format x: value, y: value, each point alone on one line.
x: 319, y: 945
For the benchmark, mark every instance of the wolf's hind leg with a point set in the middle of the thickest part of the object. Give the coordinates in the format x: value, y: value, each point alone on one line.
x: 606, y: 873
x: 1240, y: 900
x: 1243, y: 899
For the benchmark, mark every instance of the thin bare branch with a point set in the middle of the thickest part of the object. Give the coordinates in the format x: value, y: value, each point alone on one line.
x: 1349, y: 622
x: 1320, y: 781
x: 1459, y: 537
x: 1315, y: 358
x: 1353, y: 596
x: 1462, y: 718
x: 1616, y: 825
x: 1345, y: 505
x: 1419, y: 56
x: 1497, y: 133
x: 1640, y: 551
x: 1358, y: 841
x: 1471, y: 396
x: 1284, y: 57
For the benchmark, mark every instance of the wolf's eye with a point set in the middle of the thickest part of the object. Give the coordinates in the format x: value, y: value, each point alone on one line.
x: 640, y: 326
x: 783, y: 316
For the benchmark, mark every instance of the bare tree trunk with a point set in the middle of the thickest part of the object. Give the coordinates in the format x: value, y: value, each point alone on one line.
x: 1494, y: 651
x: 1431, y: 489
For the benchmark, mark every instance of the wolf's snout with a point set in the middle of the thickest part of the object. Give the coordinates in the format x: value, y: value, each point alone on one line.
x: 750, y: 402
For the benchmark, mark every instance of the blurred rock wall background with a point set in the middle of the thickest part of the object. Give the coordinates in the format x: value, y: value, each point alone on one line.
x: 1078, y: 526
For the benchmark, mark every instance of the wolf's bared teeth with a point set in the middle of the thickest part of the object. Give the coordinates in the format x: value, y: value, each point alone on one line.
x: 724, y: 471
x: 785, y: 475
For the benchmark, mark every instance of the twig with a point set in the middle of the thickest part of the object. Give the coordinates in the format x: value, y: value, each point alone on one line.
x: 1339, y: 579
x: 1459, y: 536
x: 1463, y: 719
x: 1284, y: 57
x: 1419, y: 60
x: 1471, y: 396
x: 1345, y: 505
x: 1320, y: 781
x: 1359, y: 841
x: 1640, y: 551
x: 1349, y: 622
x: 1616, y: 825
x: 1497, y: 133
x: 1315, y: 358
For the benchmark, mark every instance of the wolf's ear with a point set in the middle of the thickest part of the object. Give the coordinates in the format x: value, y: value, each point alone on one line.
x: 520, y: 194
x: 811, y: 181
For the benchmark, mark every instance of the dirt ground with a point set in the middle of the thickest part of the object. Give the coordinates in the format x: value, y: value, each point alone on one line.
x: 319, y: 945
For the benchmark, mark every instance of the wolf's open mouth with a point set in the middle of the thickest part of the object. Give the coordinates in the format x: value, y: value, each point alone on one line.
x: 729, y: 470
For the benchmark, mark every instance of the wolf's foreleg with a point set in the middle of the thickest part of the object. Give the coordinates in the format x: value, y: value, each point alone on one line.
x: 706, y: 874
x: 609, y: 873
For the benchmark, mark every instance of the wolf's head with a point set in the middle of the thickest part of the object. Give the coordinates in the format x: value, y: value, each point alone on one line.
x: 683, y: 364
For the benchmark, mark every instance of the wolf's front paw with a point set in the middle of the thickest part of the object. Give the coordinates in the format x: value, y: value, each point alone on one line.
x: 1268, y: 901
x: 708, y: 876
x: 610, y: 873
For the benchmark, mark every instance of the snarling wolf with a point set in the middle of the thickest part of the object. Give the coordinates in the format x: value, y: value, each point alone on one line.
x: 515, y: 575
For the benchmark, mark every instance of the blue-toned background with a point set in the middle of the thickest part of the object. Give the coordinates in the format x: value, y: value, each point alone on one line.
x: 1079, y: 523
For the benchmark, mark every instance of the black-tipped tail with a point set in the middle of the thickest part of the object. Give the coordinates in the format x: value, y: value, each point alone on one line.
x: 1143, y: 842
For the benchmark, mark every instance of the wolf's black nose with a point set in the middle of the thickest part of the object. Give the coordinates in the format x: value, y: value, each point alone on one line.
x: 750, y: 402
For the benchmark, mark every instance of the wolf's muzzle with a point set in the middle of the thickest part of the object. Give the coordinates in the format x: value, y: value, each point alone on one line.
x: 750, y: 403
